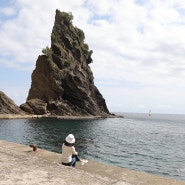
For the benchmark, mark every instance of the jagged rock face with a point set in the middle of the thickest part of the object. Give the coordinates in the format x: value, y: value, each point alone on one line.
x: 7, y: 106
x: 62, y: 82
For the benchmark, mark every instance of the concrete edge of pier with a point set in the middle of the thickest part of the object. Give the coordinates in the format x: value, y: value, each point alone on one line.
x: 21, y: 165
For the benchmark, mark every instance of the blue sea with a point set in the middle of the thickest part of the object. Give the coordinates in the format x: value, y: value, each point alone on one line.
x: 154, y: 144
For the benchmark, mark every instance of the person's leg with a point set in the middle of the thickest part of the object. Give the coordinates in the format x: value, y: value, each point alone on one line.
x: 73, y: 163
x: 75, y: 158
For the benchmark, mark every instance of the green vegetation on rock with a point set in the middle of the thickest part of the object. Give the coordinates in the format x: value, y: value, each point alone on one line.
x: 47, y: 51
x: 68, y: 17
x: 80, y: 34
x: 67, y: 63
x: 55, y: 37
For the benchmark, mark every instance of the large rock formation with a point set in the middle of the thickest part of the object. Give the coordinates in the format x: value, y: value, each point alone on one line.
x: 7, y: 105
x: 62, y: 82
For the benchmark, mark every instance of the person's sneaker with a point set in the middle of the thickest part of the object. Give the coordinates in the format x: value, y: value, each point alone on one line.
x: 84, y: 162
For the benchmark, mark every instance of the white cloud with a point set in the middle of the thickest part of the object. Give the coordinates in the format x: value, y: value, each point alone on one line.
x: 145, y: 42
x: 135, y: 43
x: 8, y: 11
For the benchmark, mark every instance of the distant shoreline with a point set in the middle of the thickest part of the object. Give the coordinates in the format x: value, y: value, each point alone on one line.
x: 19, y: 116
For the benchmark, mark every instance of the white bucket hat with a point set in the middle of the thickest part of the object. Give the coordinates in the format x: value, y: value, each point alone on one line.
x: 70, y: 139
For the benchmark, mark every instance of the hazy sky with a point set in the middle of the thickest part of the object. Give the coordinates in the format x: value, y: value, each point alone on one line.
x: 138, y: 49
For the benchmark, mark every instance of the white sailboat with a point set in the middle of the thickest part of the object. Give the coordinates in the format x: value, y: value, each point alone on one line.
x: 149, y: 114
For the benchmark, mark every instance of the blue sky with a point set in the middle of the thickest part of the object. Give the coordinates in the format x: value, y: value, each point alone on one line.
x: 138, y: 49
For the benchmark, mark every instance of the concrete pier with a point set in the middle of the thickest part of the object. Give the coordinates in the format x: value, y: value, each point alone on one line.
x: 20, y: 165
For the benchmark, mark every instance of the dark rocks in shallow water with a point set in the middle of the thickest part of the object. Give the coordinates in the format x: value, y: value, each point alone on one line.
x: 7, y: 105
x: 62, y: 82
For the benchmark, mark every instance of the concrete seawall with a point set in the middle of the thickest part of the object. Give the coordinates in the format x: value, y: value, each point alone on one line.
x: 19, y: 165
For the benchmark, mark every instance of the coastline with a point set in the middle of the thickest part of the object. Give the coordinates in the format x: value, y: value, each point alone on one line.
x: 21, y: 165
x: 19, y: 116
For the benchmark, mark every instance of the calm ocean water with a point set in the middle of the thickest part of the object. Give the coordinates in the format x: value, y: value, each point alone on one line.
x: 153, y: 144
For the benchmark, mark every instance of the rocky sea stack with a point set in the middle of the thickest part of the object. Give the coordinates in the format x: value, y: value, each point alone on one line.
x: 62, y: 82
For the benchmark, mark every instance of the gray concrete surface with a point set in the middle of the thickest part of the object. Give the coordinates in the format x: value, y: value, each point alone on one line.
x: 19, y: 165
